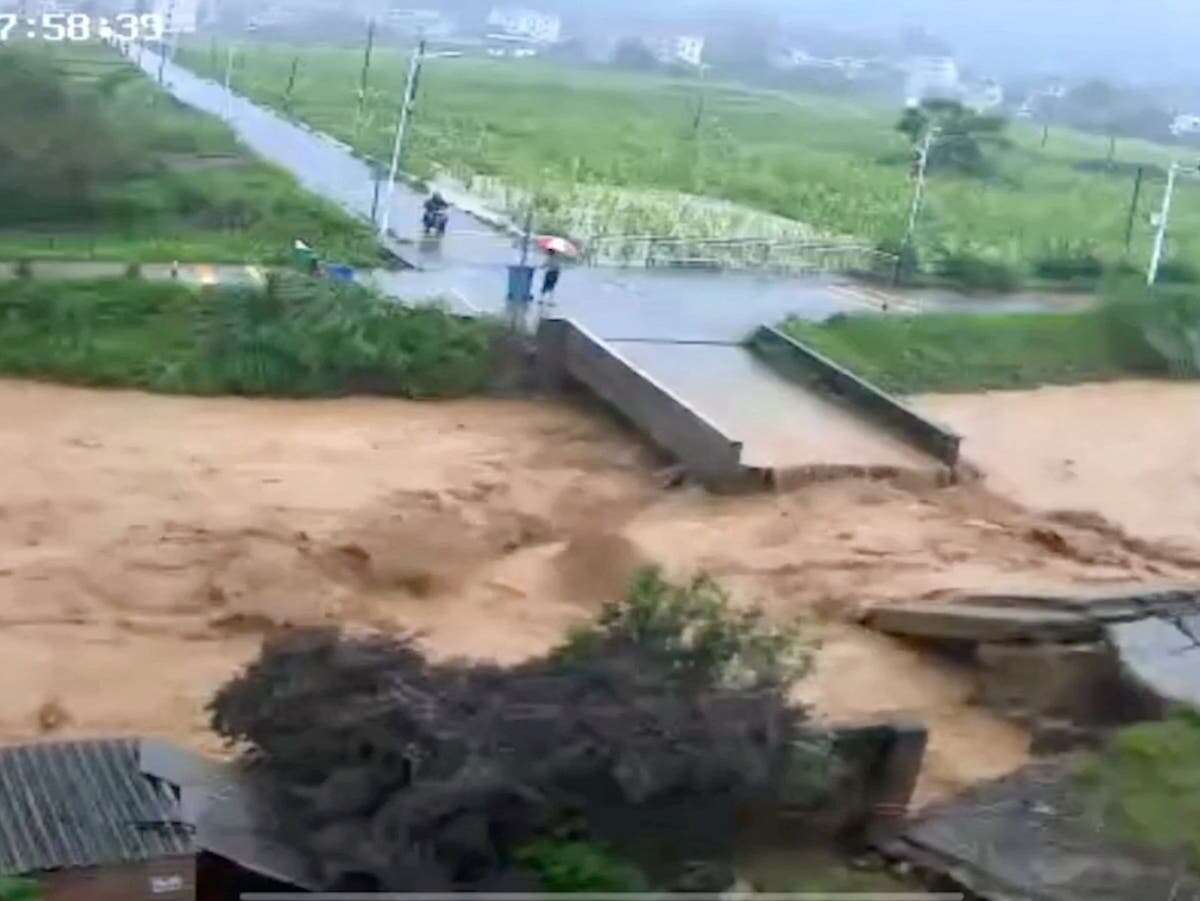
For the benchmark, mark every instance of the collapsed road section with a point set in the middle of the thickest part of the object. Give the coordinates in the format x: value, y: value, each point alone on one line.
x: 1070, y: 668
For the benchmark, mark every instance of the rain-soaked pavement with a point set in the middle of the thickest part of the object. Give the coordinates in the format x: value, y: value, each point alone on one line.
x: 649, y: 312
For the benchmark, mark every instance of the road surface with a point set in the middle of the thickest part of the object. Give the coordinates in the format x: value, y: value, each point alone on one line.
x: 648, y: 313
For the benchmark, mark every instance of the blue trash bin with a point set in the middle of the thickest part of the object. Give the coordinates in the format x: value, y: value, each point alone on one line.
x: 340, y: 273
x: 520, y: 284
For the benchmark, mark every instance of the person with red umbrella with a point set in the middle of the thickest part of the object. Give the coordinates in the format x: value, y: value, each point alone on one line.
x: 556, y: 249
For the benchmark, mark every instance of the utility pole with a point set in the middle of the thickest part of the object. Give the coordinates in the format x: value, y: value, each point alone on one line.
x: 1137, y: 191
x: 362, y: 85
x: 162, y: 45
x: 918, y: 198
x: 376, y: 177
x: 228, y: 84
x: 410, y: 91
x: 291, y: 83
x: 1160, y: 236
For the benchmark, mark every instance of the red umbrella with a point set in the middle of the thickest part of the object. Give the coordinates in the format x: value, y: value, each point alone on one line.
x: 558, y: 245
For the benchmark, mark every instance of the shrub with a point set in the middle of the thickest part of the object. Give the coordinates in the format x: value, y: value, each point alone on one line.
x: 297, y: 338
x: 1147, y: 782
x: 910, y: 260
x: 565, y: 866
x: 692, y: 634
x: 1153, y: 331
x: 976, y: 273
x: 1067, y: 260
x: 1173, y: 272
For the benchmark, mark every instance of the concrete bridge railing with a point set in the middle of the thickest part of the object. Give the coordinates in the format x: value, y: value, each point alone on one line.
x: 569, y: 352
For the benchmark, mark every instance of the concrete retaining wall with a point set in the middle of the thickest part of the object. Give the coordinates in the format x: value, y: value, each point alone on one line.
x: 888, y: 756
x: 568, y: 352
x: 801, y: 363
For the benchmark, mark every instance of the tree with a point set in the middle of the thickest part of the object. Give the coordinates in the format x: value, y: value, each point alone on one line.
x: 740, y: 40
x: 1101, y: 107
x: 632, y: 53
x: 46, y: 171
x: 961, y: 134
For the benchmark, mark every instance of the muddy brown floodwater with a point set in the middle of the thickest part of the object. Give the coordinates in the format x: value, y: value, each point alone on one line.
x: 1129, y: 451
x: 148, y: 542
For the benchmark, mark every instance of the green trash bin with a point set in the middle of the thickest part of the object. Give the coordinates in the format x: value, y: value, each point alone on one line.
x: 520, y: 284
x: 304, y: 257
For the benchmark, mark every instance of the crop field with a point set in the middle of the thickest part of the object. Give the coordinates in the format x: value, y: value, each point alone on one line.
x: 613, y: 152
x: 101, y: 164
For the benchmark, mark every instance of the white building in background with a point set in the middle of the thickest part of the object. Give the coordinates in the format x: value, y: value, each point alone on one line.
x: 1185, y: 124
x: 931, y: 77
x: 685, y: 49
x: 521, y: 22
x: 983, y: 96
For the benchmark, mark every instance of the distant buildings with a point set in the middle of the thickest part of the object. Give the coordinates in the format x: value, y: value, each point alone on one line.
x: 931, y: 78
x: 1185, y: 124
x: 982, y: 96
x: 528, y: 24
x: 1041, y: 97
x: 683, y: 49
x: 794, y: 58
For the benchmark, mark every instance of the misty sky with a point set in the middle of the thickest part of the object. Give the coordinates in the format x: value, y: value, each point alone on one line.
x: 1150, y: 40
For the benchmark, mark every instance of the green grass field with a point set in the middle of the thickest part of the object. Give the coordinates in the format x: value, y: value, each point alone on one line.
x: 1129, y: 335
x: 156, y: 181
x: 836, y: 165
x: 297, y: 338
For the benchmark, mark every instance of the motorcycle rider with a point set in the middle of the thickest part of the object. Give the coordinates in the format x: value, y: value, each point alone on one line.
x: 436, y: 211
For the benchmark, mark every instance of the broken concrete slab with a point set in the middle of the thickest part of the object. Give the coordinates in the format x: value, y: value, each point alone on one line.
x: 1033, y: 836
x: 977, y: 623
x: 1075, y: 681
x: 1109, y: 607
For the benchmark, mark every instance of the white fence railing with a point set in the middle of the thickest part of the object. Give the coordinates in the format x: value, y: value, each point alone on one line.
x: 736, y: 253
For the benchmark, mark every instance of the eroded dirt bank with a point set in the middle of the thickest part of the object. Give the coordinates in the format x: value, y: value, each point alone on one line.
x: 146, y: 543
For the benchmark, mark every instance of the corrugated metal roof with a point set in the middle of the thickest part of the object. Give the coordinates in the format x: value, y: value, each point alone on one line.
x: 79, y: 804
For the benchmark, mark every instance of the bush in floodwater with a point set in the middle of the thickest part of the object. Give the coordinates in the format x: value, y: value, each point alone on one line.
x: 693, y: 634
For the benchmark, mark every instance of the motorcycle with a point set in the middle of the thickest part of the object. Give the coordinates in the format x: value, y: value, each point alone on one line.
x: 435, y: 221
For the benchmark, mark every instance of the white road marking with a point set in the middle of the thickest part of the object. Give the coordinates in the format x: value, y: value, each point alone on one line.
x: 873, y: 298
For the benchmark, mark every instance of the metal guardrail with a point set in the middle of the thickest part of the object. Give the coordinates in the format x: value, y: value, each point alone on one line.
x: 648, y: 251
